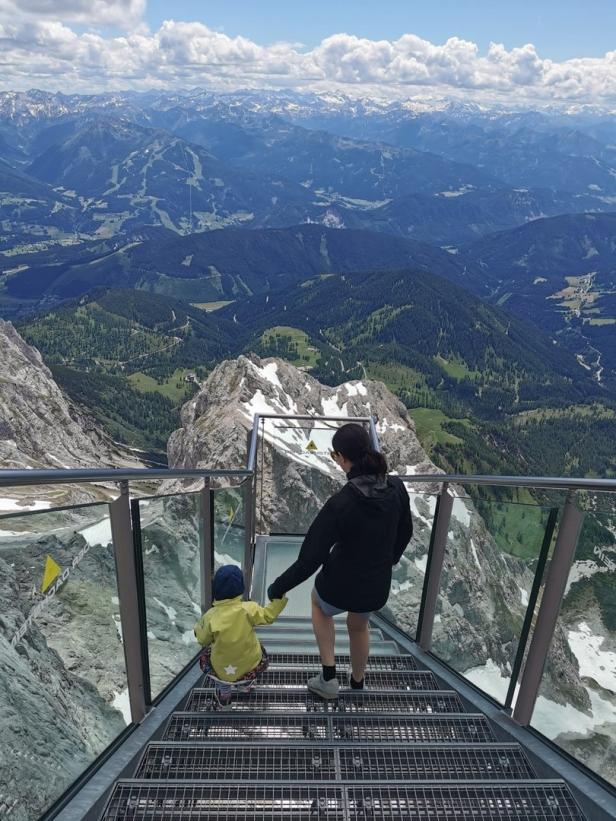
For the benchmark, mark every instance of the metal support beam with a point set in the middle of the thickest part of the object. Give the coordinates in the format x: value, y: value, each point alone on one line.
x: 249, y: 526
x: 532, y: 604
x: 206, y: 545
x: 374, y: 436
x: 128, y: 596
x: 135, y: 511
x: 434, y: 568
x: 553, y: 593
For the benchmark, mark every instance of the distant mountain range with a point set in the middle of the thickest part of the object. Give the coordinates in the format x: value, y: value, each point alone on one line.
x: 113, y: 164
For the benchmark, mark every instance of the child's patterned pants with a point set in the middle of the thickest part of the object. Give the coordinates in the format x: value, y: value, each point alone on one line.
x: 225, y: 688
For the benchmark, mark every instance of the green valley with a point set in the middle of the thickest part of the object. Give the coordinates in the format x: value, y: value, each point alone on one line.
x: 290, y: 344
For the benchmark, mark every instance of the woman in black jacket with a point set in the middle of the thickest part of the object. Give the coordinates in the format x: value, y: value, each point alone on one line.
x: 356, y: 539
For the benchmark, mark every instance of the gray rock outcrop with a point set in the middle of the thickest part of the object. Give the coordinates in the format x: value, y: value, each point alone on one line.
x: 41, y: 428
x: 293, y: 482
x: 53, y: 723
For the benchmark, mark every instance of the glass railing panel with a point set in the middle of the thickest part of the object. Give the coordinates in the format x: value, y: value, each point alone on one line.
x: 229, y: 531
x: 63, y: 689
x: 485, y: 589
x: 171, y: 573
x: 576, y: 707
x: 408, y: 576
x: 297, y: 473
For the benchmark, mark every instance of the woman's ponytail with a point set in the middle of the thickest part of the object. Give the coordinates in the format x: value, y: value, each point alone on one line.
x: 353, y: 442
x: 372, y: 463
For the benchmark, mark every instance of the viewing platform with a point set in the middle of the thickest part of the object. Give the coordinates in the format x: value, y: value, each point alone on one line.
x: 481, y: 701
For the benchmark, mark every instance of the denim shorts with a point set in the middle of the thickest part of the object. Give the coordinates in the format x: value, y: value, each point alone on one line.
x: 330, y: 610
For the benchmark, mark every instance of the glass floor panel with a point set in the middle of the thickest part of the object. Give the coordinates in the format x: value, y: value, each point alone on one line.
x: 280, y: 554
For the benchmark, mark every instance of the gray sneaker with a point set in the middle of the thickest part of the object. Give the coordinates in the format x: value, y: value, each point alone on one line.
x: 325, y: 689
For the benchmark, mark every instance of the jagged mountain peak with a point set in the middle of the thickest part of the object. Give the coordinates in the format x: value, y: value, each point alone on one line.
x: 295, y: 480
x: 238, y: 389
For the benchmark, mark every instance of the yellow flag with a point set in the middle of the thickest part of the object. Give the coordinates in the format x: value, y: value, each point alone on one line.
x: 311, y: 446
x: 51, y: 573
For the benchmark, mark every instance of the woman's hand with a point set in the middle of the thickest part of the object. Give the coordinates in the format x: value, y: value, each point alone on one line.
x: 273, y: 593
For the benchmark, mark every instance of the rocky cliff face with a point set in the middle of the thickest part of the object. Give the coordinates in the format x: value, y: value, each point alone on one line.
x: 484, y: 592
x: 53, y: 722
x: 41, y: 428
x: 62, y: 683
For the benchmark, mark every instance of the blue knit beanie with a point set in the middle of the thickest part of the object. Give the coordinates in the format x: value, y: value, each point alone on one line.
x: 228, y: 582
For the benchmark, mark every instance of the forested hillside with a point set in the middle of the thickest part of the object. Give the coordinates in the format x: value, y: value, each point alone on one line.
x: 448, y: 346
x: 212, y: 266
x: 131, y: 357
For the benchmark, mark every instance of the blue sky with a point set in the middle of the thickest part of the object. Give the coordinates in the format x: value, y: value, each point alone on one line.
x: 560, y: 29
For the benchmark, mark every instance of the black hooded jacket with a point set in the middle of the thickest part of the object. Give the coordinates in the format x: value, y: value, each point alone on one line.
x: 356, y: 539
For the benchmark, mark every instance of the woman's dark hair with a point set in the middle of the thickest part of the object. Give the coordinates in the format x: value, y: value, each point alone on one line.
x: 352, y: 442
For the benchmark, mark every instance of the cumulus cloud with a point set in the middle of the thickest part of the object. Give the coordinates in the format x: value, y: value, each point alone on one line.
x: 122, y: 14
x: 36, y: 51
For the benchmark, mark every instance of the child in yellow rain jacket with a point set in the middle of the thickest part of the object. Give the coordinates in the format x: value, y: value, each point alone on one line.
x: 233, y: 653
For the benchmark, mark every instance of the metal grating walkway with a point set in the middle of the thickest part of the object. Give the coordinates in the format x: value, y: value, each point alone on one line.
x: 295, y: 700
x: 329, y: 762
x: 310, y: 661
x: 475, y: 801
x: 418, y: 729
x: 375, y: 679
x: 403, y: 749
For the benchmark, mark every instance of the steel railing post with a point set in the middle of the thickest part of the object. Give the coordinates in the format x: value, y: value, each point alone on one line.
x: 249, y: 524
x: 532, y: 604
x: 206, y: 545
x: 553, y: 593
x: 128, y: 596
x: 135, y: 512
x: 434, y: 567
x: 374, y: 436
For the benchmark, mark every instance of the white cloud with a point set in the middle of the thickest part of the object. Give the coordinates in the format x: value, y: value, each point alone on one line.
x: 122, y: 14
x: 36, y: 51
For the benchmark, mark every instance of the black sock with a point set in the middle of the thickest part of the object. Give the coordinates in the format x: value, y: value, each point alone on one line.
x: 357, y: 685
x: 329, y: 672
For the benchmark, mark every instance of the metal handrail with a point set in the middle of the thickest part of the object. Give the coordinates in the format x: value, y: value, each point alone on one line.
x: 539, y: 482
x: 51, y: 476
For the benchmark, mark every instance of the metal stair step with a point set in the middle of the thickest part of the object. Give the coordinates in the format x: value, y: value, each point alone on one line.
x: 293, y: 645
x: 306, y: 621
x: 329, y: 762
x: 305, y: 633
x: 375, y: 679
x: 354, y: 727
x: 148, y: 800
x: 305, y: 661
x: 387, y: 701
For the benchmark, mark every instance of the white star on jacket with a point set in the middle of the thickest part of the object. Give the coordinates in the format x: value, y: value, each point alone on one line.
x: 230, y: 670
